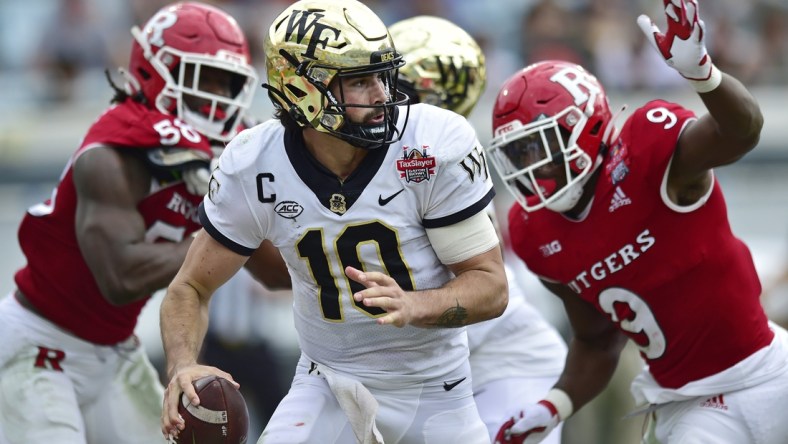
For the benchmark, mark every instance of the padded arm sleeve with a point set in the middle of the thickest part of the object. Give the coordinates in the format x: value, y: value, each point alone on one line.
x: 463, y: 240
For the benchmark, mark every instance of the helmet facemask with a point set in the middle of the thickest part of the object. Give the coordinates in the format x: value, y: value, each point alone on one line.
x: 365, y: 134
x: 217, y: 116
x: 332, y: 117
x: 533, y: 158
x: 563, y: 112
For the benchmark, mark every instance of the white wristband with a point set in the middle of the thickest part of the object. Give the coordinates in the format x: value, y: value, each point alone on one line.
x: 561, y: 401
x: 704, y: 86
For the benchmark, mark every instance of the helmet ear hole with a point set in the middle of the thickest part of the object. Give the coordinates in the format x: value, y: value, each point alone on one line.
x: 298, y: 92
x: 144, y: 74
x: 596, y: 128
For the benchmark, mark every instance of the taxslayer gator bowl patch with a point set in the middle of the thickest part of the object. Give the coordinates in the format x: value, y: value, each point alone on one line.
x: 416, y: 164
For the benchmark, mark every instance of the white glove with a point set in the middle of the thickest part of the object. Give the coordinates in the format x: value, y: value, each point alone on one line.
x: 535, y: 422
x: 683, y: 44
x: 197, y: 178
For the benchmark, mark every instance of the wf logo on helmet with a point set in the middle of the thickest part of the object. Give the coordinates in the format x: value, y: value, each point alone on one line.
x: 416, y: 165
x: 300, y: 24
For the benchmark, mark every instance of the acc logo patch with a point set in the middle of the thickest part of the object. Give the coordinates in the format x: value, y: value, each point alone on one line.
x: 289, y: 209
x: 416, y: 164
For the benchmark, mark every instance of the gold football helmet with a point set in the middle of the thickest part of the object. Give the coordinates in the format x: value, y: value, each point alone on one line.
x: 444, y: 65
x: 314, y: 42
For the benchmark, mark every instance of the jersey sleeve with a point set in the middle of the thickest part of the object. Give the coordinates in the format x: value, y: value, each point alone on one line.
x: 134, y: 126
x: 226, y: 212
x: 656, y: 128
x: 462, y: 186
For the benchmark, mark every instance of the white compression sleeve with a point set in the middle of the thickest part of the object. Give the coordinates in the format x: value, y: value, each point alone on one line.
x: 463, y: 240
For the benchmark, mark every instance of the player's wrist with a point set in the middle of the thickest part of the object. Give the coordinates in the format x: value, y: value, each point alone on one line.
x: 559, y: 403
x: 709, y: 84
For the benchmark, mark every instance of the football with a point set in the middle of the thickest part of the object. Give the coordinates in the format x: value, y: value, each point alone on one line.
x: 221, y: 417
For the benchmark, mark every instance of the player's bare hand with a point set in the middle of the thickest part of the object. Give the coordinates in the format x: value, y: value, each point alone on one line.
x: 181, y: 382
x: 382, y: 291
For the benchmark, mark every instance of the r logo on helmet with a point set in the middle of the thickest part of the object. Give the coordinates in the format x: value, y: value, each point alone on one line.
x: 579, y: 85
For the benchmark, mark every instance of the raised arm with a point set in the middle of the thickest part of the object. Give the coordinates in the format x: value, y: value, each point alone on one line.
x: 733, y: 124
x: 730, y: 130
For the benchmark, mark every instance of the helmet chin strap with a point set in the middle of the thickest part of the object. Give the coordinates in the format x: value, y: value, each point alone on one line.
x: 363, y: 135
x: 369, y: 136
x: 211, y: 128
x: 568, y: 198
x: 611, y: 130
x: 571, y: 195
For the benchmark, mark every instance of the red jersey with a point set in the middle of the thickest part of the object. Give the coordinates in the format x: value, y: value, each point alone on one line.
x: 676, y: 281
x: 56, y: 279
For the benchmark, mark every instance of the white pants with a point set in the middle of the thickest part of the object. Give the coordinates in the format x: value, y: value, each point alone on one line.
x: 498, y: 400
x: 755, y: 415
x: 746, y: 403
x: 408, y: 413
x: 57, y: 388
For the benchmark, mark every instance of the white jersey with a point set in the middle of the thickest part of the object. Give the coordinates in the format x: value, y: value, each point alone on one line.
x: 519, y: 343
x: 268, y: 186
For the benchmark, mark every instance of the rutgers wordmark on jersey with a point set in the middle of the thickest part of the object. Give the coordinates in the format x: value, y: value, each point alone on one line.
x: 692, y: 312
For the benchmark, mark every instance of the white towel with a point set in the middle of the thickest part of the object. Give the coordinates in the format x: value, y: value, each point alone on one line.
x: 358, y: 404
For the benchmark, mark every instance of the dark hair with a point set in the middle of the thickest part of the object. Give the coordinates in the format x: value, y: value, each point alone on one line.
x: 286, y: 120
x: 121, y: 95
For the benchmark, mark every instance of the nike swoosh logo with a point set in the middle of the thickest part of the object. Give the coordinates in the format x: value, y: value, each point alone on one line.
x: 383, y: 202
x: 448, y: 386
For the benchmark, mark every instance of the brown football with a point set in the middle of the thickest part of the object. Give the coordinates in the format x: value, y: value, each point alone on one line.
x: 221, y: 417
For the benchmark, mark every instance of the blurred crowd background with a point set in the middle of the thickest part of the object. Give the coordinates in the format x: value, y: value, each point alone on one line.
x: 55, y: 45
x: 53, y: 54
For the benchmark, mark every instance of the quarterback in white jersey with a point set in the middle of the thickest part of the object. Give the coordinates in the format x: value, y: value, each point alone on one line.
x: 269, y: 187
x: 377, y: 208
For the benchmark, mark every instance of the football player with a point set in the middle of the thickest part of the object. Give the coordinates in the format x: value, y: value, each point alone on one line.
x: 630, y: 230
x: 115, y: 229
x: 517, y: 357
x: 359, y: 191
